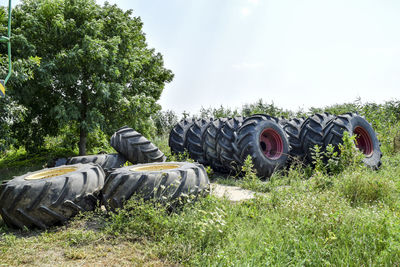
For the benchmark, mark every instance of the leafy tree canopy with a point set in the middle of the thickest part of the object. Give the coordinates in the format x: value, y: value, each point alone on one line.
x: 96, y: 69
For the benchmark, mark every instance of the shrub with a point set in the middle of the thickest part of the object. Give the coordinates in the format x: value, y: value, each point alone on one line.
x: 250, y: 179
x: 365, y: 187
x: 192, y: 232
x: 334, y: 160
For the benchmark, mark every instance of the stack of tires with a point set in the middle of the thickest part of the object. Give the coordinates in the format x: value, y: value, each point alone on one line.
x: 53, y: 195
x: 272, y: 143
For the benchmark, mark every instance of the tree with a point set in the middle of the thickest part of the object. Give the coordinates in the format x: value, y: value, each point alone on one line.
x: 164, y: 121
x: 11, y: 112
x: 95, y: 70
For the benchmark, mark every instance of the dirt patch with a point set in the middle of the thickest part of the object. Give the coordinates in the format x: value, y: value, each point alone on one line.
x: 233, y: 193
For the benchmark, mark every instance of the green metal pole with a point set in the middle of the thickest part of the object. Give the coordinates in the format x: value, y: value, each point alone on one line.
x: 9, y: 44
x: 7, y: 39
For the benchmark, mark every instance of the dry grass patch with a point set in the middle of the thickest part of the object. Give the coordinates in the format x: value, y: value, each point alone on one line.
x: 72, y: 246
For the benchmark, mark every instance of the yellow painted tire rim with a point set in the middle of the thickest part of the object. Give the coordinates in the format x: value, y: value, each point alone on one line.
x: 45, y: 174
x: 155, y: 167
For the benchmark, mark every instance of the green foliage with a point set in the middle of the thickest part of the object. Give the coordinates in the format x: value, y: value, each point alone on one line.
x: 199, y: 227
x: 261, y: 107
x: 98, y: 141
x: 19, y: 161
x: 96, y: 70
x: 248, y: 169
x: 289, y: 227
x: 350, y: 156
x: 221, y: 112
x: 364, y: 187
x: 180, y: 157
x: 317, y: 160
x: 209, y: 170
x: 68, y: 136
x: 12, y: 113
x: 334, y: 161
x: 250, y: 178
x: 338, y: 109
x: 164, y: 121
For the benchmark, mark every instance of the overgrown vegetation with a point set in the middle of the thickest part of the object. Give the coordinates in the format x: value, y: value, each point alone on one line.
x: 353, y: 221
x: 337, y: 213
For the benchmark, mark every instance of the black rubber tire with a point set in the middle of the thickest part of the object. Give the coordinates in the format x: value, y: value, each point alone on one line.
x: 248, y: 143
x: 351, y: 123
x: 135, y: 147
x: 292, y: 128
x: 41, y: 203
x: 177, y: 136
x: 282, y: 120
x: 225, y: 139
x: 312, y: 133
x: 209, y: 140
x: 194, y: 142
x: 106, y: 161
x: 165, y: 185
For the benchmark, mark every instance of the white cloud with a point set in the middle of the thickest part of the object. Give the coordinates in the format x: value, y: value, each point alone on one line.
x: 245, y: 11
x: 247, y: 65
x: 254, y: 2
x: 248, y: 9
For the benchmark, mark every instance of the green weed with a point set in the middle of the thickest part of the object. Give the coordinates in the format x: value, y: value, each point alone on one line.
x: 250, y: 180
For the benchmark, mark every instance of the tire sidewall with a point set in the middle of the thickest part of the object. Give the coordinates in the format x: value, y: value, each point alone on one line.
x: 259, y: 128
x: 358, y: 121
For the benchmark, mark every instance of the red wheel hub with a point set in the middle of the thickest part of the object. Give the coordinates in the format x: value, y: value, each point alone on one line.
x: 363, y: 141
x: 271, y: 144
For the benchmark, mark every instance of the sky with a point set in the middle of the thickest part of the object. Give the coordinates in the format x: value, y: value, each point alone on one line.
x: 295, y: 53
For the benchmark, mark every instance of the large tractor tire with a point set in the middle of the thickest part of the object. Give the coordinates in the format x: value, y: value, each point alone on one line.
x: 209, y: 138
x: 292, y: 128
x: 164, y: 182
x: 177, y: 136
x: 262, y: 138
x: 366, y: 140
x: 135, y: 147
x: 194, y: 142
x: 50, y: 196
x: 106, y: 161
x: 312, y: 133
x: 225, y: 139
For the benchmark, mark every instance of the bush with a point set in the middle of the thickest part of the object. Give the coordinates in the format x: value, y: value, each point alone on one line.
x: 250, y: 179
x: 334, y: 160
x: 182, y: 237
x: 164, y: 121
x: 261, y: 107
x: 366, y: 187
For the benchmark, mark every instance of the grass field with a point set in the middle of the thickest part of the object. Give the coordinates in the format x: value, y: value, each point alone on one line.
x: 350, y: 218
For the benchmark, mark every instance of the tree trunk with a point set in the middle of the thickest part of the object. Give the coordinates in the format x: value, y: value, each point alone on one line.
x: 82, y: 141
x: 83, y: 132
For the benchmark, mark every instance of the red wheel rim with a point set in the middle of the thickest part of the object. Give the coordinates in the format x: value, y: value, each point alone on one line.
x: 271, y: 144
x: 363, y: 141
